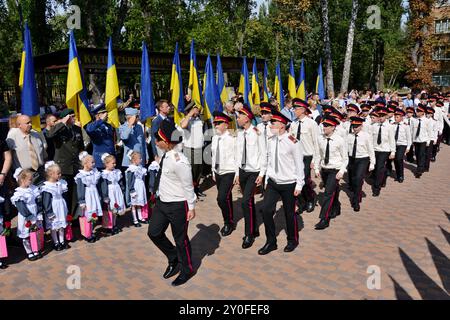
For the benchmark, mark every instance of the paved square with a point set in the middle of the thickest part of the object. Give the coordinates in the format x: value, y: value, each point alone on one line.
x: 405, y: 232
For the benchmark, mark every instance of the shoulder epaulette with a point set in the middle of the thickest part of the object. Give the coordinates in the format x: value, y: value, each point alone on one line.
x: 292, y: 138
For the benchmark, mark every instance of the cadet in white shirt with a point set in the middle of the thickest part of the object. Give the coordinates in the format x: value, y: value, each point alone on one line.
x: 306, y: 131
x: 446, y: 116
x: 410, y: 112
x: 331, y: 166
x: 361, y: 157
x: 403, y: 141
x: 193, y: 141
x: 264, y: 126
x: 285, y: 179
x: 384, y: 145
x: 252, y: 161
x: 224, y: 166
x: 175, y: 204
x: 433, y: 138
x: 439, y: 117
x: 352, y: 111
x: 421, y: 132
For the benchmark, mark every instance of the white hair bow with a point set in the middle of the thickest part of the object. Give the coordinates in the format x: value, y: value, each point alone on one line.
x: 16, y: 173
x: 48, y: 164
x: 129, y: 153
x: 83, y: 155
x: 104, y: 156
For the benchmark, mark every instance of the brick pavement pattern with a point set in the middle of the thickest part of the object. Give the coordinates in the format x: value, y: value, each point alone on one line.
x: 405, y: 232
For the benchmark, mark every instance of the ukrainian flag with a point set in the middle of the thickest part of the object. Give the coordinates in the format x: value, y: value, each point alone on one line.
x: 265, y: 86
x: 221, y: 81
x: 320, y: 89
x: 278, y: 91
x: 112, y: 89
x: 147, y: 99
x: 301, y: 91
x: 176, y: 88
x: 194, y: 82
x: 212, y: 97
x: 292, y: 88
x: 27, y: 83
x: 244, y: 85
x: 255, y: 85
x: 76, y: 97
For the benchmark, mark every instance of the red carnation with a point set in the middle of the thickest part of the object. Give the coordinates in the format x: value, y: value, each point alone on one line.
x: 7, y: 224
x: 28, y: 224
x: 94, y: 215
x: 116, y: 205
x: 69, y: 218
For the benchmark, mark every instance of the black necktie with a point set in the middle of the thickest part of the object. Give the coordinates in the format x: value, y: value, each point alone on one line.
x: 265, y: 130
x: 244, y: 152
x: 397, y: 131
x: 327, y: 152
x: 158, y: 176
x: 276, y: 156
x: 299, y: 129
x: 379, y: 134
x: 418, y: 128
x: 354, y: 146
x: 217, y: 156
x: 350, y: 129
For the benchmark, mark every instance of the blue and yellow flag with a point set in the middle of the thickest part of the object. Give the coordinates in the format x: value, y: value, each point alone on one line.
x: 147, y: 99
x: 244, y: 85
x: 194, y: 82
x: 320, y: 89
x: 265, y: 85
x: 292, y: 88
x: 301, y: 91
x: 176, y: 88
x: 76, y: 94
x: 27, y: 82
x: 112, y: 89
x: 221, y: 82
x: 212, y: 97
x: 255, y: 85
x: 278, y: 90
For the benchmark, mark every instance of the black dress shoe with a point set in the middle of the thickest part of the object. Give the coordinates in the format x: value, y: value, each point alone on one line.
x: 310, y: 207
x: 57, y: 247
x: 256, y: 234
x: 143, y: 221
x: 65, y: 246
x: 248, y: 242
x: 290, y: 247
x: 172, y: 269
x: 227, y: 230
x: 91, y: 240
x: 137, y: 225
x: 375, y: 193
x: 418, y: 175
x: 182, y: 279
x: 3, y: 265
x: 32, y: 257
x: 323, y: 224
x: 268, y: 247
x: 356, y: 207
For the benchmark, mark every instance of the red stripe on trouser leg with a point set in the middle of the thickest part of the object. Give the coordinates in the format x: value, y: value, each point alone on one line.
x: 295, y: 227
x: 185, y: 238
x: 230, y: 204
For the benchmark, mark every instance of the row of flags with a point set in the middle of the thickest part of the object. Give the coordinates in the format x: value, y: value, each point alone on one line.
x: 211, y: 96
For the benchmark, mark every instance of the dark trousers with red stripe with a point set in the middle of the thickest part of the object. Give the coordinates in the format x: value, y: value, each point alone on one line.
x: 224, y: 184
x: 399, y: 161
x: 428, y: 155
x: 248, y: 187
x: 420, y: 151
x: 357, y: 169
x: 273, y: 192
x: 175, y: 214
x: 381, y: 159
x: 307, y: 194
x: 330, y: 202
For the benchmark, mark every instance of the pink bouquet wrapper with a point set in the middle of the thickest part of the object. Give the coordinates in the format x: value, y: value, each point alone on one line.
x: 144, y: 211
x: 69, y: 233
x: 37, y: 240
x: 3, y: 248
x: 108, y: 220
x: 85, y: 227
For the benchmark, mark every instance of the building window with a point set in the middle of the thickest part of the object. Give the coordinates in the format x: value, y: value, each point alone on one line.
x: 442, y: 26
x: 441, y: 53
x: 441, y: 80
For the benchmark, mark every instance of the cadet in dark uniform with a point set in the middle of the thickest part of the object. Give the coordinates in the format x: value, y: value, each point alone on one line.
x: 68, y: 142
x: 403, y: 141
x: 175, y: 205
x: 410, y: 112
x: 102, y: 135
x: 420, y: 130
x: 285, y: 178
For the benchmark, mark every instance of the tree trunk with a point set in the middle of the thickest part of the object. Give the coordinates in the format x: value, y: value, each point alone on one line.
x: 123, y: 11
x: 348, y: 52
x: 380, y: 82
x: 91, y: 44
x: 327, y: 48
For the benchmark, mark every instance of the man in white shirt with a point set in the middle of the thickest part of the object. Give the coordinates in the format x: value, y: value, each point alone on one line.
x: 384, y: 145
x: 285, y: 179
x: 193, y: 140
x: 410, y: 112
x: 421, y: 137
x: 446, y: 116
x: 403, y: 141
x: 264, y: 126
x: 434, y: 124
x: 361, y: 157
x: 331, y: 166
x: 306, y: 131
x: 252, y: 162
x: 175, y: 205
x: 224, y: 167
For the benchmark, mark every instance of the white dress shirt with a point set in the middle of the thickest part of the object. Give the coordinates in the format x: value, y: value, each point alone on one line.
x: 227, y: 153
x: 264, y: 128
x: 256, y: 151
x: 434, y: 129
x: 309, y: 134
x: 290, y: 161
x: 338, y: 158
x: 176, y: 179
x: 439, y: 117
x: 446, y: 113
x: 425, y: 130
x: 364, y: 147
x: 193, y: 134
x: 404, y: 134
x: 18, y: 142
x: 387, y: 138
